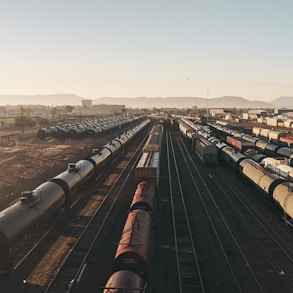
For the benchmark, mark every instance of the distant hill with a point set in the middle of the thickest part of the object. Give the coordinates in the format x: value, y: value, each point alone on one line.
x: 147, y: 102
x: 183, y: 102
x: 49, y: 100
x: 283, y: 102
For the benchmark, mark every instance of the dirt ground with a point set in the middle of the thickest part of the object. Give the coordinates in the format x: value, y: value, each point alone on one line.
x: 26, y: 161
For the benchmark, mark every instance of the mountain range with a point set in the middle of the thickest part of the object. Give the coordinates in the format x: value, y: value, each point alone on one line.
x: 148, y: 102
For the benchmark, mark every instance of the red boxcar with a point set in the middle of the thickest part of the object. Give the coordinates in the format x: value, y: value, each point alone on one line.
x: 239, y: 143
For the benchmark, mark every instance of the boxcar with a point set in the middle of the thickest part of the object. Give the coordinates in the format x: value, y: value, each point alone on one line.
x: 239, y: 143
x: 148, y: 168
x: 153, y: 143
x: 207, y: 151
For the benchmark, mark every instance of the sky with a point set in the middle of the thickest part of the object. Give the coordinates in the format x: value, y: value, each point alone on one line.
x: 150, y: 48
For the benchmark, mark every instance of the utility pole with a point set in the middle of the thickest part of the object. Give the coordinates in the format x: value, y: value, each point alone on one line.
x: 22, y: 126
x: 207, y: 105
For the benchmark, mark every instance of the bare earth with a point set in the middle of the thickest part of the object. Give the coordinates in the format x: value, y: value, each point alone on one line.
x: 27, y: 161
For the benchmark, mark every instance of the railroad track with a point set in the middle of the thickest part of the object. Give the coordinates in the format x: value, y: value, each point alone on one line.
x: 279, y: 258
x: 188, y: 267
x: 37, y: 258
x: 247, y: 247
x: 31, y: 249
x: 71, y: 271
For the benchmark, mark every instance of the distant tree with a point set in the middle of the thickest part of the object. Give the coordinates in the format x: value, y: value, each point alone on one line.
x: 54, y: 112
x: 69, y: 109
x: 42, y: 122
x: 26, y: 110
x: 24, y: 121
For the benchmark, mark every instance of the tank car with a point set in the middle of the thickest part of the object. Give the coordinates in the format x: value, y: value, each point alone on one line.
x: 236, y: 133
x: 252, y: 171
x: 285, y: 152
x: 269, y: 182
x: 46, y: 132
x: 263, y: 179
x: 282, y: 170
x: 100, y: 158
x: 123, y: 139
x: 77, y: 131
x: 113, y: 146
x: 133, y: 252
x: 76, y: 176
x: 94, y: 131
x: 271, y: 149
x: 220, y: 145
x: 283, y: 195
x: 144, y: 197
x: 272, y: 161
x: 130, y: 133
x: 250, y: 138
x: 254, y: 155
x: 61, y: 132
x: 261, y: 145
x: 232, y: 157
x: 126, y: 282
x: 33, y: 210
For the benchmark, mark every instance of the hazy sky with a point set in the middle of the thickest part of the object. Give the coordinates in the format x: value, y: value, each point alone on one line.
x: 130, y: 48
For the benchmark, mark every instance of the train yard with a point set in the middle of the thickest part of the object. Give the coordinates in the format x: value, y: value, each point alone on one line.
x: 208, y: 229
x: 239, y: 244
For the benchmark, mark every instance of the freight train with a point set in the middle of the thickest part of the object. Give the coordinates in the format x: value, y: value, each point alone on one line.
x: 276, y: 136
x: 277, y: 190
x: 37, y: 207
x: 148, y: 167
x: 266, y: 143
x: 198, y: 136
x: 131, y: 266
x: 94, y: 128
x: 276, y: 122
